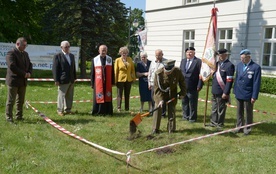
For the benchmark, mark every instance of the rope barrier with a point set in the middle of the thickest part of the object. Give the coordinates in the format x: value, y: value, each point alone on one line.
x: 135, y: 97
x: 49, y: 80
x: 63, y: 130
x: 129, y: 153
x: 200, y: 137
x: 75, y: 101
x: 233, y: 106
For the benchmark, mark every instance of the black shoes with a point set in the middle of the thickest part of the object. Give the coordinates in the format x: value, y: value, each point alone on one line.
x: 237, y: 131
x: 20, y: 119
x: 10, y: 120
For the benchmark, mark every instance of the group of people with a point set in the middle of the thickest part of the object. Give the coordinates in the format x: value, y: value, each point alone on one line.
x: 247, y: 83
x: 159, y: 81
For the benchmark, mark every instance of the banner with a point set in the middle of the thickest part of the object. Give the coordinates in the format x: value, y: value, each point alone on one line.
x: 41, y: 55
x: 209, y: 56
x: 142, y: 39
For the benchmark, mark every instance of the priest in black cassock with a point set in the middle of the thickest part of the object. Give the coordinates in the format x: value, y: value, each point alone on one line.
x: 102, y: 80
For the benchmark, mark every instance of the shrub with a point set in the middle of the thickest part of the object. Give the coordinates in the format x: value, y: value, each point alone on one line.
x: 268, y: 85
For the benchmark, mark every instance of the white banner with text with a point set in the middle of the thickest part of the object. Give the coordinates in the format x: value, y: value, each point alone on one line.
x: 41, y: 55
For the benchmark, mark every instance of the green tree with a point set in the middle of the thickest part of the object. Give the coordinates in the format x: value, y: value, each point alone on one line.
x: 136, y: 16
x: 86, y: 23
x: 20, y: 18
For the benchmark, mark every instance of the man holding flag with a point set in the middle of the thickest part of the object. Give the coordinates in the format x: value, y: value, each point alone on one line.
x: 221, y: 86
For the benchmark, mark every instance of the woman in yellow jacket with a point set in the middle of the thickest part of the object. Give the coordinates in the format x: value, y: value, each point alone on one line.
x: 124, y: 76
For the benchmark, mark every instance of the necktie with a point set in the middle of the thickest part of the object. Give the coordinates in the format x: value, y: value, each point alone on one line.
x: 68, y: 58
x: 244, y: 67
x: 187, y: 64
x: 23, y: 57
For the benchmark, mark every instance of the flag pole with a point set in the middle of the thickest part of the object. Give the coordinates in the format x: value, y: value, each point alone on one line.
x: 206, y: 100
x: 211, y: 60
x: 207, y: 90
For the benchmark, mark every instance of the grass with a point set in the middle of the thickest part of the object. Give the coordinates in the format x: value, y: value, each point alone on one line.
x: 34, y: 146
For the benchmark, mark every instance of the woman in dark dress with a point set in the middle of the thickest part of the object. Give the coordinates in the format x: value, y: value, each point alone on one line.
x: 142, y: 72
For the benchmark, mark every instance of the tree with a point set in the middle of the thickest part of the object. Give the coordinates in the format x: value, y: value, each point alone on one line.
x: 84, y: 23
x: 136, y: 15
x: 87, y: 23
x: 19, y: 18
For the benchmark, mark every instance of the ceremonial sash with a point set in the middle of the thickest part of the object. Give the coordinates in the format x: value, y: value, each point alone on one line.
x: 219, y: 79
x: 103, y: 74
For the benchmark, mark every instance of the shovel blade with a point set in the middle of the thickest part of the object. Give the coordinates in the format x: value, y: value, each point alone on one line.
x: 132, y: 127
x: 137, y: 119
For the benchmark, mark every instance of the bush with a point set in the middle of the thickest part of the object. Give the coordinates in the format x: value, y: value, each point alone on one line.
x: 268, y: 85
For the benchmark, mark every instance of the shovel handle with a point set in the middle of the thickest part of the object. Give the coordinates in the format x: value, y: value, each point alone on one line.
x: 170, y: 100
x: 146, y: 114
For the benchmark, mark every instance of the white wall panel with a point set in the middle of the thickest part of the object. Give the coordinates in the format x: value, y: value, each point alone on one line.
x: 167, y: 19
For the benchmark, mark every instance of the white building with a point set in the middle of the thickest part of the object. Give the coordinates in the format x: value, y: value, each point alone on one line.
x: 173, y: 25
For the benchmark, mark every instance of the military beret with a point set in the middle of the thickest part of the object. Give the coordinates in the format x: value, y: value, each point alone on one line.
x: 169, y: 64
x: 222, y: 51
x: 189, y: 48
x: 245, y: 51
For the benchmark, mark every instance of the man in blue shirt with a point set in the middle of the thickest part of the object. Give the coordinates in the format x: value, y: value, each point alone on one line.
x: 246, y: 89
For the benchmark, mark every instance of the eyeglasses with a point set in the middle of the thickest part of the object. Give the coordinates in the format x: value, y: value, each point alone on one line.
x: 67, y: 47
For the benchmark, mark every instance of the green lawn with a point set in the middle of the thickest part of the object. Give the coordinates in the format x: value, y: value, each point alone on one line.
x: 34, y: 146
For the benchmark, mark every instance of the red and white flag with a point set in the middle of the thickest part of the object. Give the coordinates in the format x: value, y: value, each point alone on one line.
x: 142, y: 39
x: 209, y: 56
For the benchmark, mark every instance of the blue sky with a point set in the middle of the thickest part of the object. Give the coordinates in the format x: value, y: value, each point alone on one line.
x: 141, y: 4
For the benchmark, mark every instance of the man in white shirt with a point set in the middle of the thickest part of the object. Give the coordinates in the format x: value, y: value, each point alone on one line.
x: 154, y: 66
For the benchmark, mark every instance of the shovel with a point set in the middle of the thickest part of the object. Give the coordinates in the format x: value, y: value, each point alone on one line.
x: 138, y: 119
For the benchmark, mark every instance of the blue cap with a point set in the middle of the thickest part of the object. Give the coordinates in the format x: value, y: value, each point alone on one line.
x: 245, y: 51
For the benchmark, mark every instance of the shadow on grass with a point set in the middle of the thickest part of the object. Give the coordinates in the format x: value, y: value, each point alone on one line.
x: 267, y: 128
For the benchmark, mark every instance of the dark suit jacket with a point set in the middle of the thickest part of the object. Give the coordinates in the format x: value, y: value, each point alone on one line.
x: 192, y: 75
x: 62, y: 71
x: 247, y: 83
x: 18, y: 65
x: 226, y: 69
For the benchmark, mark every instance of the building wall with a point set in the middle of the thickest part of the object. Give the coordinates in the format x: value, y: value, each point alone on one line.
x: 166, y: 22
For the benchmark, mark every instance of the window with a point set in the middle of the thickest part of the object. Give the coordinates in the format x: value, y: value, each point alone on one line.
x: 269, y: 47
x: 188, y: 39
x: 190, y: 1
x: 225, y: 39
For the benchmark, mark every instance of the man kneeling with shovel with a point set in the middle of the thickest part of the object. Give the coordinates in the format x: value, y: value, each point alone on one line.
x: 165, y: 89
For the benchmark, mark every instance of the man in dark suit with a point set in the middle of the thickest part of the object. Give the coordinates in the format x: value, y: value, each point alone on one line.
x: 221, y: 86
x: 19, y: 68
x: 246, y: 89
x: 190, y: 67
x: 64, y: 72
